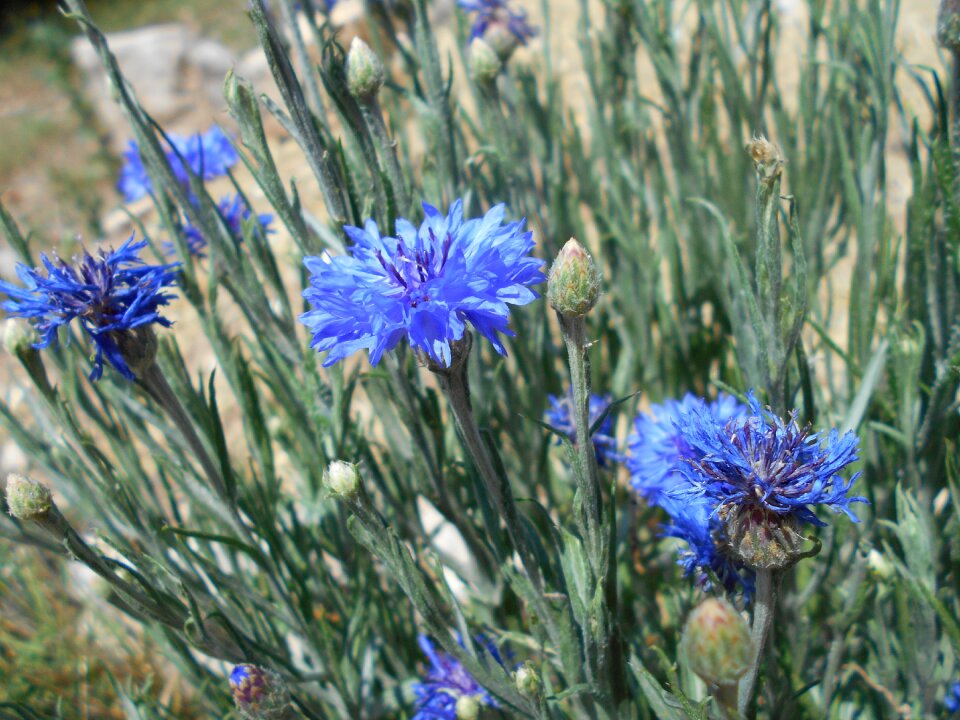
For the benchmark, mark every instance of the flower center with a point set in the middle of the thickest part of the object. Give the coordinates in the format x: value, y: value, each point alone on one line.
x: 413, y: 269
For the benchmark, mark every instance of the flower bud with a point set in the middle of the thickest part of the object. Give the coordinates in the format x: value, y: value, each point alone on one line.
x: 365, y: 72
x: 468, y: 707
x: 342, y: 480
x: 574, y: 283
x: 879, y: 566
x: 948, y: 25
x: 717, y: 643
x: 766, y: 158
x: 528, y: 682
x: 18, y: 336
x: 27, y: 499
x: 484, y: 63
x: 260, y: 694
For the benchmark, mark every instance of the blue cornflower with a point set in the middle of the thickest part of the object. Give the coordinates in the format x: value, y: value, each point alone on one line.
x: 658, y: 448
x: 951, y: 700
x: 501, y: 26
x: 425, y: 284
x: 208, y: 155
x: 447, y: 682
x: 761, y: 461
x: 110, y: 293
x: 234, y: 211
x: 694, y: 521
x: 560, y: 416
x: 259, y: 693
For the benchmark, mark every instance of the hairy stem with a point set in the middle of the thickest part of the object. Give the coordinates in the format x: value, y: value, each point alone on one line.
x: 764, y: 605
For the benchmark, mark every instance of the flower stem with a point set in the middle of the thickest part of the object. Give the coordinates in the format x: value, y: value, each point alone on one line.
x: 373, y: 115
x: 590, y: 519
x: 763, y: 609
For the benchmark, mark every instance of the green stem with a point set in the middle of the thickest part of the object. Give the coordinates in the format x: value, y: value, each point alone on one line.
x: 764, y: 605
x: 606, y: 638
x: 588, y: 472
x: 726, y: 697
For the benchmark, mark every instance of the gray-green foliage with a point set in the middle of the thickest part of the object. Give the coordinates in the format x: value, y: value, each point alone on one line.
x: 712, y: 277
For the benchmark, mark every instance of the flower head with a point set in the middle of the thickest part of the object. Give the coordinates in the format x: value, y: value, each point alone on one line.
x: 235, y: 212
x: 208, y: 155
x: 658, y: 448
x: 111, y: 294
x: 762, y: 461
x: 259, y: 694
x: 501, y: 26
x: 560, y: 416
x: 951, y: 700
x: 447, y: 682
x: 424, y: 285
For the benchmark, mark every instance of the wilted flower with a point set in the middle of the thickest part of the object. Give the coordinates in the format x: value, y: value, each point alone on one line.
x: 764, y: 476
x: 208, y: 155
x: 560, y: 416
x: 447, y: 683
x: 112, y: 294
x: 234, y: 211
x: 425, y: 284
x: 502, y: 27
x: 658, y: 448
x: 259, y: 694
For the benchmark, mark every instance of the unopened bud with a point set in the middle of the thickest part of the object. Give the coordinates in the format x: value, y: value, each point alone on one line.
x: 27, y: 499
x: 484, y: 63
x: 574, y: 283
x: 948, y: 25
x: 18, y: 336
x: 879, y: 566
x: 365, y: 72
x: 468, y: 707
x: 767, y: 160
x: 528, y: 682
x: 260, y: 694
x: 342, y: 480
x: 717, y: 643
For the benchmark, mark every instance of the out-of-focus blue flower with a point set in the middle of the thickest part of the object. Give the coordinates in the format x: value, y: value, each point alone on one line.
x: 951, y: 700
x: 259, y: 693
x: 765, y: 462
x: 110, y: 294
x: 425, y: 284
x: 234, y: 211
x: 446, y: 681
x: 208, y: 155
x: 657, y: 448
x: 694, y: 521
x: 560, y: 416
x: 500, y: 25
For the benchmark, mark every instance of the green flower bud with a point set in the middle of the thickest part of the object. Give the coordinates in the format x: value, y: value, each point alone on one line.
x: 342, y: 480
x: 365, y: 72
x: 468, y: 707
x: 574, y: 283
x: 484, y: 63
x: 717, y: 643
x: 879, y: 566
x: 27, y: 499
x: 18, y: 336
x: 948, y: 25
x: 528, y: 682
